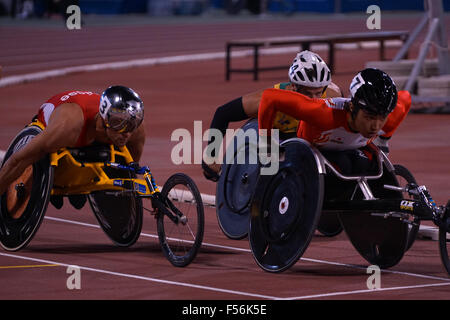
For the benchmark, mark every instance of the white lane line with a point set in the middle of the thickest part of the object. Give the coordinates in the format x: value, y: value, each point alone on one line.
x: 146, y: 62
x: 137, y: 277
x: 332, y: 294
x: 133, y: 276
x: 353, y: 266
x: 36, y: 76
x: 233, y: 291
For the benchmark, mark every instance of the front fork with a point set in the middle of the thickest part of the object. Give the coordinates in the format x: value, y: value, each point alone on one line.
x: 426, y: 205
x: 162, y: 204
x: 424, y: 208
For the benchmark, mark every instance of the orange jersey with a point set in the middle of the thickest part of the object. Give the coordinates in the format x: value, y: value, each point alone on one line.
x: 324, y: 121
x: 284, y: 122
x: 88, y: 102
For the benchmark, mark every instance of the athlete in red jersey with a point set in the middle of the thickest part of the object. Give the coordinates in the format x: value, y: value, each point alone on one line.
x: 78, y: 119
x: 338, y: 124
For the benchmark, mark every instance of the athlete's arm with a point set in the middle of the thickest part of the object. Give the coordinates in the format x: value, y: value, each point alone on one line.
x: 314, y: 111
x: 239, y: 109
x: 251, y: 102
x: 63, y: 130
x: 398, y: 115
x: 333, y: 91
x: 394, y: 119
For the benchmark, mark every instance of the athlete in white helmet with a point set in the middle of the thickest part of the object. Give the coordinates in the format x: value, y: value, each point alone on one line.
x: 308, y: 74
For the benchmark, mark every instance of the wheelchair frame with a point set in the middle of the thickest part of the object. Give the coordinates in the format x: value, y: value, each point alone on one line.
x: 422, y: 207
x: 78, y: 177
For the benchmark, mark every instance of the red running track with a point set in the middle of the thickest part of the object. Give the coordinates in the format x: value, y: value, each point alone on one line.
x: 176, y: 95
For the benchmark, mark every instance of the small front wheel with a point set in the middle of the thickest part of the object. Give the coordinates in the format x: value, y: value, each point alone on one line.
x: 405, y: 176
x: 444, y: 243
x: 181, y: 240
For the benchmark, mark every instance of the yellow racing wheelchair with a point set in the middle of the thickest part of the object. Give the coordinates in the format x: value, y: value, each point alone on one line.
x: 107, y: 178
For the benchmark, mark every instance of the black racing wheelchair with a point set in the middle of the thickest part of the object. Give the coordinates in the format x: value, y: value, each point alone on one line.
x: 281, y: 212
x: 237, y: 183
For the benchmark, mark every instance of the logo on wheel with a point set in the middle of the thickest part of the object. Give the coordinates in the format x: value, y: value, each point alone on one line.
x: 284, y: 205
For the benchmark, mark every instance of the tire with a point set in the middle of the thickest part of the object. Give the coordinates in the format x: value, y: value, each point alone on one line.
x: 119, y: 214
x: 22, y: 208
x: 329, y: 225
x: 444, y: 242
x: 380, y: 240
x: 181, y: 242
x: 286, y: 208
x: 405, y: 174
x: 237, y: 184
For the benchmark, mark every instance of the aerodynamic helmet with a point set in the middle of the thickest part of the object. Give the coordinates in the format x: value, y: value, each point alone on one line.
x: 373, y: 91
x: 121, y: 108
x: 308, y: 69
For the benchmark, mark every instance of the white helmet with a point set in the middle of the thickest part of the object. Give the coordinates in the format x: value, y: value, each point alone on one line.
x: 308, y: 69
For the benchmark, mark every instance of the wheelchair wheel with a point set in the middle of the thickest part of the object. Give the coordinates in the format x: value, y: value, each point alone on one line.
x: 180, y: 242
x: 119, y: 214
x: 329, y: 225
x: 236, y: 185
x: 405, y: 176
x: 444, y: 241
x: 286, y: 208
x: 25, y: 202
x: 381, y: 240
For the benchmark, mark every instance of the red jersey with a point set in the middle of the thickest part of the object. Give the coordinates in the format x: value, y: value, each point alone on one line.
x: 324, y: 121
x: 88, y: 102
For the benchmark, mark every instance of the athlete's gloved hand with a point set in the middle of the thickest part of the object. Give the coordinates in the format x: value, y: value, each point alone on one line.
x: 137, y: 168
x: 209, y: 173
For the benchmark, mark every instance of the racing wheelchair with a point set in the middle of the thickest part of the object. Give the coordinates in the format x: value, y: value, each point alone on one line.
x: 234, y: 190
x: 380, y: 212
x: 380, y: 221
x: 106, y: 177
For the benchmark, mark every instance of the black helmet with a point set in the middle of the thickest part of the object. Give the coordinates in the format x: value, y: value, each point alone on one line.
x: 374, y: 92
x: 121, y: 108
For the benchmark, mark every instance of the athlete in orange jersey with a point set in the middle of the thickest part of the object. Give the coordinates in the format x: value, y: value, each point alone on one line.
x: 308, y: 75
x: 81, y: 118
x: 339, y: 126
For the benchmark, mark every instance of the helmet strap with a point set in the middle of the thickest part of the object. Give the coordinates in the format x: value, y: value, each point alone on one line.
x: 353, y: 109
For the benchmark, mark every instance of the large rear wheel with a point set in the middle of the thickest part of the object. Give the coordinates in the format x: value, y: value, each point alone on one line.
x: 25, y: 202
x: 444, y: 239
x: 118, y: 213
x: 286, y: 208
x: 237, y: 182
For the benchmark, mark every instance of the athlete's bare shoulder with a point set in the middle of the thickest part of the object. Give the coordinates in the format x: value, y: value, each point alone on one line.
x: 333, y: 91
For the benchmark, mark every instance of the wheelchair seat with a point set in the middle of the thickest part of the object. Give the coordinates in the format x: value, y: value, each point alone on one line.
x: 93, y: 153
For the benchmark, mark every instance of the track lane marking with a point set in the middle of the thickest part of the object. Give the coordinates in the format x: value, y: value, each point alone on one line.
x: 353, y: 266
x: 137, y: 277
x: 30, y: 266
x: 331, y: 294
x: 193, y: 57
x: 125, y: 275
x: 447, y: 281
